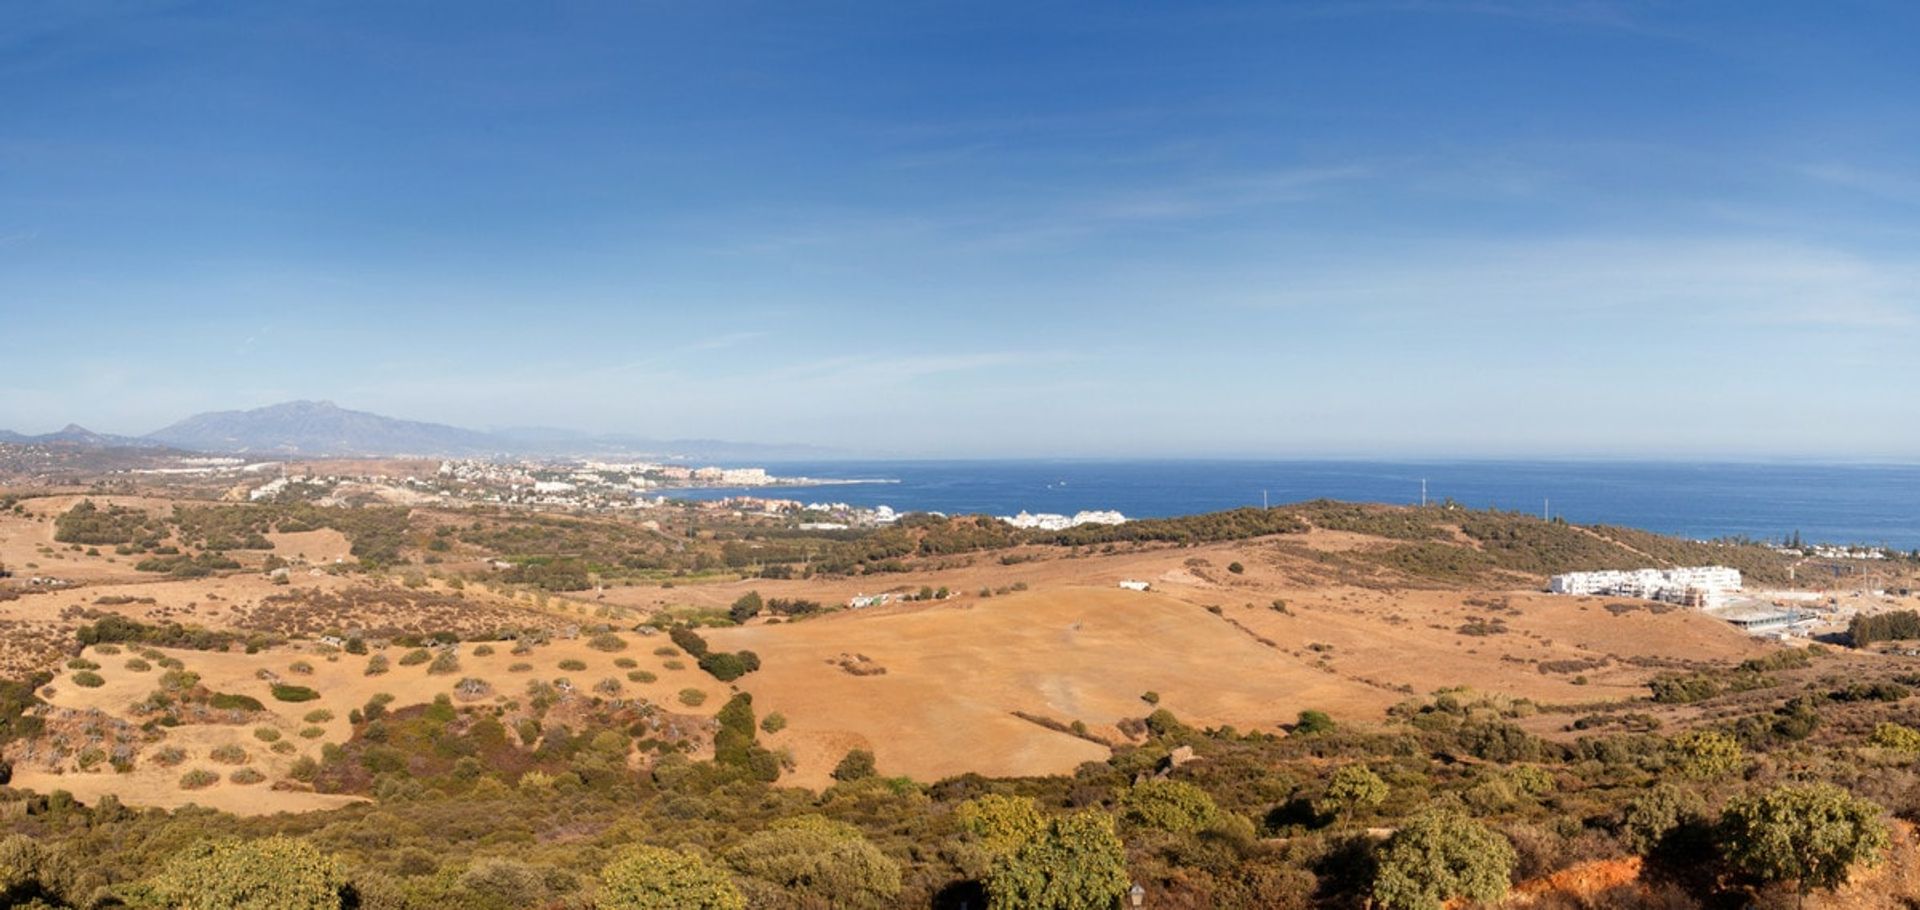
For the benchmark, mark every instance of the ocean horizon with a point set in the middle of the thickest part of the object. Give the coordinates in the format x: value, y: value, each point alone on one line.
x: 1867, y: 503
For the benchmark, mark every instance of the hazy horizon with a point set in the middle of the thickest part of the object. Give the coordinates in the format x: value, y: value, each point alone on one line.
x: 1361, y: 230
x: 831, y: 454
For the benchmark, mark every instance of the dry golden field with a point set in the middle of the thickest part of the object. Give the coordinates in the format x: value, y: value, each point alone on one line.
x: 1032, y: 680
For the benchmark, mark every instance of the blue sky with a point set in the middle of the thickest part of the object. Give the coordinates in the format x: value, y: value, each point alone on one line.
x: 1367, y: 228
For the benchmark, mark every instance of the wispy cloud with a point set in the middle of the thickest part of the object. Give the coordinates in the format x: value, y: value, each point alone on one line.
x: 1887, y: 186
x: 1728, y: 282
x: 1014, y: 222
x: 890, y: 368
x: 668, y: 353
x: 1213, y: 195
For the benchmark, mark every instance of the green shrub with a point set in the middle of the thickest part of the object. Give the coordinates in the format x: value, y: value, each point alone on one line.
x: 723, y: 666
x: 1897, y: 737
x: 1311, y: 722
x: 1678, y: 689
x: 199, y: 779
x: 276, y: 872
x: 820, y: 862
x: 1170, y: 805
x: 1073, y: 861
x: 1352, y: 788
x: 655, y: 878
x: 293, y: 693
x: 1814, y: 835
x: 692, y: 698
x: 87, y: 679
x: 1705, y: 754
x: 1441, y: 855
x: 231, y: 701
x: 857, y: 764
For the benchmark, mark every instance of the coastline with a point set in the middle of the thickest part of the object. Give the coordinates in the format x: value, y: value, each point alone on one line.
x: 1854, y: 503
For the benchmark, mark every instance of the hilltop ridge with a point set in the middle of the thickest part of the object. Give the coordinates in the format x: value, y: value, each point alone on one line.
x: 322, y: 428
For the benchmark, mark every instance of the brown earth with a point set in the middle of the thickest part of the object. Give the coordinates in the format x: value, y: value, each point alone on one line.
x: 971, y: 683
x: 342, y: 684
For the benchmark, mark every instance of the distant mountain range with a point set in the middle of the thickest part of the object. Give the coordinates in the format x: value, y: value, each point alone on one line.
x: 322, y: 428
x: 76, y: 435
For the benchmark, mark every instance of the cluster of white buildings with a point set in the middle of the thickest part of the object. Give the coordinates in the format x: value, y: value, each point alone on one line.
x: 1698, y: 586
x: 844, y: 516
x: 1824, y: 552
x: 734, y: 477
x: 268, y: 490
x: 1048, y: 521
x: 208, y: 466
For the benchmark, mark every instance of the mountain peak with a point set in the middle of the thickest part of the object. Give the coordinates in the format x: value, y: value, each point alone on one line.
x: 319, y: 428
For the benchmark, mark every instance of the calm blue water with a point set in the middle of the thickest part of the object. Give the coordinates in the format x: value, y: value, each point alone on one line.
x: 1867, y: 504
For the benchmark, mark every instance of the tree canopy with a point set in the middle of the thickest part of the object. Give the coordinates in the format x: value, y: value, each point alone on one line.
x: 1170, y: 805
x: 655, y: 878
x: 1813, y: 835
x: 1440, y: 855
x: 1352, y: 788
x: 1075, y: 863
x: 271, y: 873
x: 815, y: 855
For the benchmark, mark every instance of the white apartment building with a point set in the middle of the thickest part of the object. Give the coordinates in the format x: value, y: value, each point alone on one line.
x: 1705, y: 586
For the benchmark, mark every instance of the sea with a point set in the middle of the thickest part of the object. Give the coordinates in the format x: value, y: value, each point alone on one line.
x: 1866, y: 504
